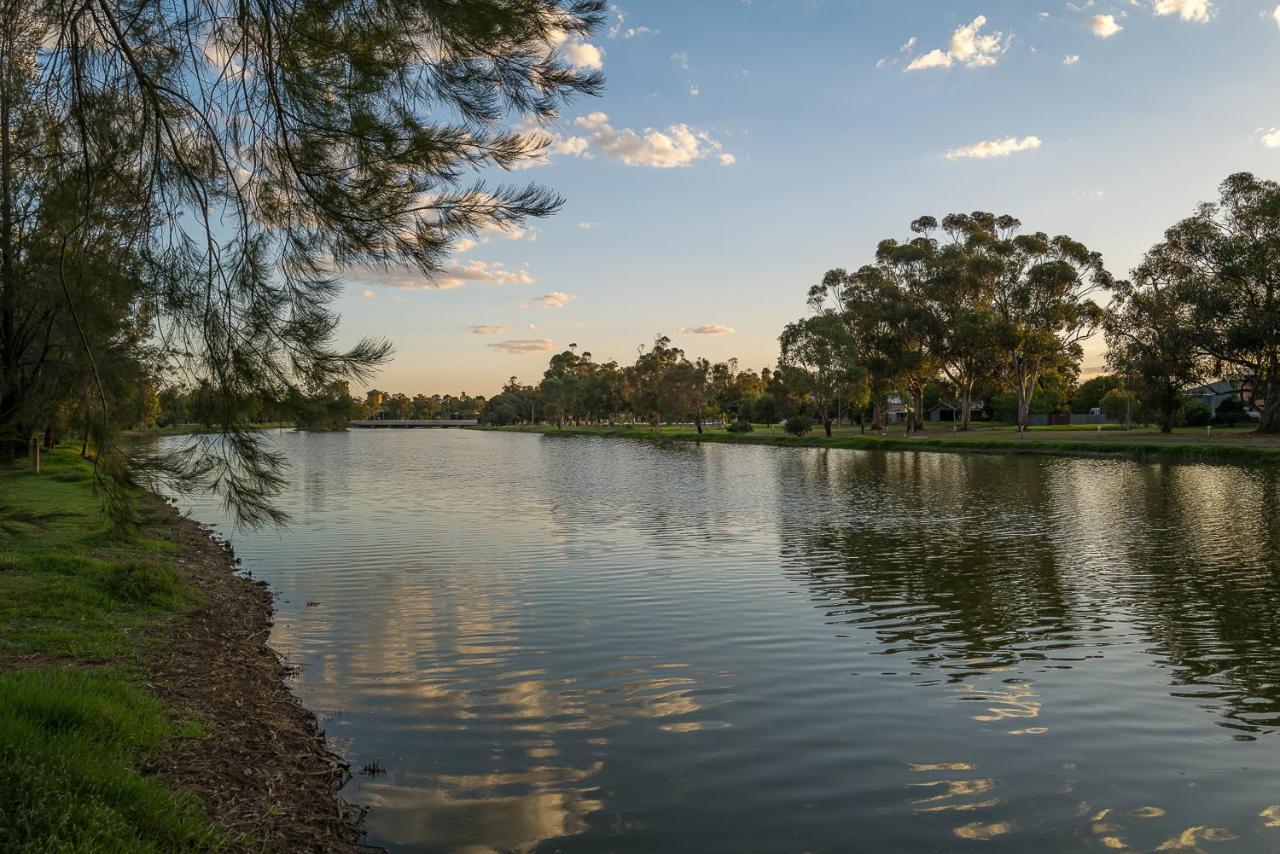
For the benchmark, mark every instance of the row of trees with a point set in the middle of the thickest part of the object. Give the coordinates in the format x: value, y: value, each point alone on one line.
x: 971, y: 303
x: 972, y: 309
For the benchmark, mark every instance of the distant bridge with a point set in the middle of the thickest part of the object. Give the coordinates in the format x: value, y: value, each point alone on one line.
x: 412, y: 424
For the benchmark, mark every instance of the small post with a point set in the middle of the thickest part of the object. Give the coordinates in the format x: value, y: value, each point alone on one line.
x: 1208, y: 431
x: 35, y: 455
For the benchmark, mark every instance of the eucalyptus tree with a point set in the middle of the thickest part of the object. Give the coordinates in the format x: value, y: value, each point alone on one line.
x: 1227, y: 259
x: 817, y: 352
x: 263, y: 150
x: 1151, y: 336
x: 1041, y: 291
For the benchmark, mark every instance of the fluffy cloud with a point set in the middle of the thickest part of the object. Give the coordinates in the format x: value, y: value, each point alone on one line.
x: 487, y: 329
x: 1071, y: 59
x: 967, y: 47
x: 1104, y: 26
x: 619, y: 28
x: 705, y: 329
x: 1271, y: 138
x: 584, y: 54
x: 555, y: 299
x: 452, y: 275
x: 522, y: 346
x: 1199, y: 11
x: 677, y: 145
x: 1275, y: 15
x: 994, y: 148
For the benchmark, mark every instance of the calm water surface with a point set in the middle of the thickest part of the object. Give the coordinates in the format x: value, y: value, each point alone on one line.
x: 568, y: 644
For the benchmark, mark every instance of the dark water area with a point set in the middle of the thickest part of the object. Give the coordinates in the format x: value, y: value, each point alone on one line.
x: 574, y: 644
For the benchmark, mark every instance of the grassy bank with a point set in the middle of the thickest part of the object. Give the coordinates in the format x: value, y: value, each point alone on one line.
x: 77, y: 610
x: 195, y: 429
x: 123, y: 662
x: 1239, y: 444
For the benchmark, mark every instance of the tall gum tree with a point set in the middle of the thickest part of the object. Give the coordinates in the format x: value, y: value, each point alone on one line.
x: 1227, y: 258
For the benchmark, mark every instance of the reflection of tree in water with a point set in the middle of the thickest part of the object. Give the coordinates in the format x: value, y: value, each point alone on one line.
x: 1205, y: 586
x: 935, y: 555
x: 971, y: 564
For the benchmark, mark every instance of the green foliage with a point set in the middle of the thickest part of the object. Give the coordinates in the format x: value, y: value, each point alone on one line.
x: 1198, y: 415
x: 1089, y: 394
x: 798, y: 425
x: 740, y: 425
x: 1230, y: 412
x: 70, y: 740
x: 1120, y: 405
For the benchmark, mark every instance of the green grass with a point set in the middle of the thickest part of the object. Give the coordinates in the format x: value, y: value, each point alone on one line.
x: 79, y: 607
x: 69, y: 739
x: 1234, y: 445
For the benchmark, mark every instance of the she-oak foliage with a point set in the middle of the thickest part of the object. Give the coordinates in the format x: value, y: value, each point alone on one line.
x: 249, y: 152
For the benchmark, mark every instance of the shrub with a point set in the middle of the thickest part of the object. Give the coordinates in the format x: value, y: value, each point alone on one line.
x: 740, y: 425
x: 1198, y: 415
x: 797, y: 425
x: 1230, y: 412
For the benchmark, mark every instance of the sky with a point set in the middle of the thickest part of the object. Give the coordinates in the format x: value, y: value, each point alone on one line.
x: 744, y: 147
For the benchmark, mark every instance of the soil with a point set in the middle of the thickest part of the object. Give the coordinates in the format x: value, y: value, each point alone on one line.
x: 265, y: 769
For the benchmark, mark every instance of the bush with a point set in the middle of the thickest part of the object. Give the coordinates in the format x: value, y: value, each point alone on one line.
x: 1230, y: 413
x: 1198, y: 415
x: 797, y: 425
x: 740, y: 425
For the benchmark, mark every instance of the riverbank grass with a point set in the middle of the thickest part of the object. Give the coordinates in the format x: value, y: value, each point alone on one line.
x: 78, y: 607
x: 1238, y: 444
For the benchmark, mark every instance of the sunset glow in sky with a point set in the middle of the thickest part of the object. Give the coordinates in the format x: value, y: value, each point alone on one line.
x: 743, y: 147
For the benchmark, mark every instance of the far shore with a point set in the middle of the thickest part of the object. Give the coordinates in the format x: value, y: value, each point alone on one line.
x: 1221, y: 444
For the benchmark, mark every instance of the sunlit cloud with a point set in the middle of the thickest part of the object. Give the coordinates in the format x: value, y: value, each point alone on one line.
x: 677, y: 145
x: 523, y: 346
x: 1199, y: 11
x: 555, y: 299
x: 452, y: 275
x: 967, y: 47
x: 1275, y: 15
x: 487, y: 329
x: 1270, y: 137
x: 705, y: 329
x: 994, y: 148
x: 1071, y: 59
x: 1104, y: 26
x: 367, y: 294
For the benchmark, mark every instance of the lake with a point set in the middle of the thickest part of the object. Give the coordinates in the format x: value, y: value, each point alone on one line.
x: 577, y: 644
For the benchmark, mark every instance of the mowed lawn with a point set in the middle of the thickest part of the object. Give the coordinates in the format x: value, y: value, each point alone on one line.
x: 79, y: 606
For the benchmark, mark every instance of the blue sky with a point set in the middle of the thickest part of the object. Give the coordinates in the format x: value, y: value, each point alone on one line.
x: 743, y: 148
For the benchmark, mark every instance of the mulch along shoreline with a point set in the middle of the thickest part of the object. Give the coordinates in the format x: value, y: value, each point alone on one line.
x: 265, y: 768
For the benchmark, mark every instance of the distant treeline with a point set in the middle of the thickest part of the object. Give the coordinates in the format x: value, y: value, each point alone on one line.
x: 970, y: 309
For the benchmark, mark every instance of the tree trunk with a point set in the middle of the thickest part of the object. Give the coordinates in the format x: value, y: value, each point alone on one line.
x: 877, y: 416
x: 1269, y: 392
x: 919, y: 415
x: 826, y: 422
x: 966, y: 404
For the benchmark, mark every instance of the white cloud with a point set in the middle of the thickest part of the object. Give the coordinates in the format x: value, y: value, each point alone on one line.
x: 681, y: 59
x: 1275, y: 15
x: 587, y: 226
x: 677, y: 145
x: 705, y: 329
x: 525, y: 345
x: 487, y: 329
x: 994, y: 148
x: 1104, y: 26
x: 968, y: 47
x: 1071, y: 59
x: 693, y: 89
x: 1199, y: 11
x: 584, y: 54
x: 1271, y: 137
x: 908, y: 46
x: 555, y: 299
x: 727, y: 159
x: 367, y: 294
x: 452, y: 275
x: 619, y: 28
